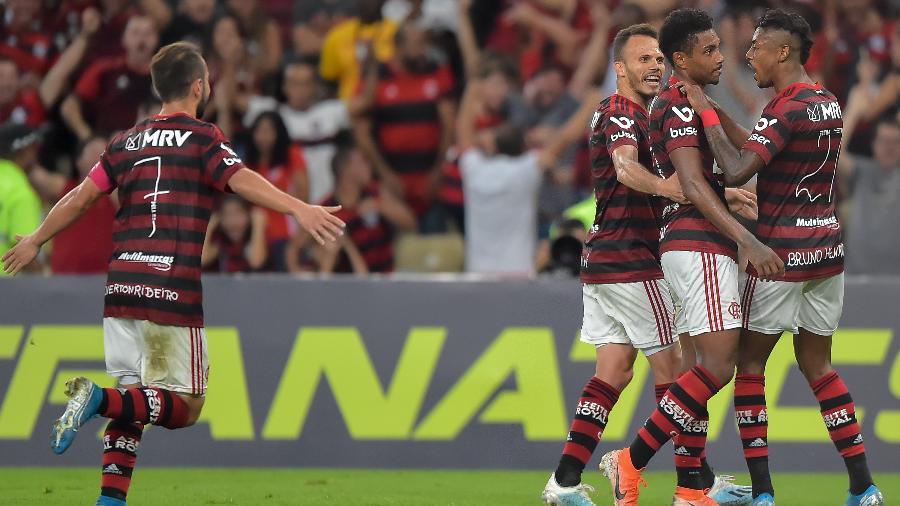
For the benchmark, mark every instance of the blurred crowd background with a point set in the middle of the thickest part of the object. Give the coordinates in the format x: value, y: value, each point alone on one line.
x: 453, y: 133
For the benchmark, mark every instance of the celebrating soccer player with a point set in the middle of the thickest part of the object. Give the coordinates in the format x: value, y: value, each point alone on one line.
x: 794, y: 150
x: 627, y: 305
x: 167, y: 169
x: 698, y: 256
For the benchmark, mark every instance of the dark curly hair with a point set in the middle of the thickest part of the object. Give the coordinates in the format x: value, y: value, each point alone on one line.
x: 777, y: 19
x: 679, y: 31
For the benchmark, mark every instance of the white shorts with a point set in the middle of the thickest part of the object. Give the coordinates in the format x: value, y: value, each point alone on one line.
x: 773, y: 307
x: 637, y: 314
x: 164, y: 356
x: 705, y: 287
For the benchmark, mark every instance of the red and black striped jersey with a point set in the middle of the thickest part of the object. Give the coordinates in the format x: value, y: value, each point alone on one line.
x: 799, y: 139
x: 167, y: 170
x: 623, y: 244
x: 674, y: 125
x: 372, y: 234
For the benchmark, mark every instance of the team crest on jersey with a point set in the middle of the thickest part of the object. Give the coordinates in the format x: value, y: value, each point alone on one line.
x: 734, y: 309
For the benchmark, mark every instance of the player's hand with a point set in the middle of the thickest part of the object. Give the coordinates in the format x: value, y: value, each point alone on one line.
x: 695, y: 95
x: 20, y: 255
x: 767, y: 263
x: 320, y: 222
x: 670, y: 188
x: 742, y: 202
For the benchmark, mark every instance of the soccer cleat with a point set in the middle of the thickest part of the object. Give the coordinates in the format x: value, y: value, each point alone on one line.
x: 692, y: 497
x: 764, y: 499
x: 871, y: 497
x: 623, y: 477
x: 726, y: 493
x: 579, y: 495
x: 84, y: 401
x: 109, y: 501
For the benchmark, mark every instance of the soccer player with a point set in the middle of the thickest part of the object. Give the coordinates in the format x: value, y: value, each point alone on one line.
x: 794, y: 150
x: 698, y: 256
x: 627, y: 305
x: 167, y: 169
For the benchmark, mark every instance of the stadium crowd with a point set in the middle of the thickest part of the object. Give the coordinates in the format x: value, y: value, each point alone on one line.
x: 452, y: 132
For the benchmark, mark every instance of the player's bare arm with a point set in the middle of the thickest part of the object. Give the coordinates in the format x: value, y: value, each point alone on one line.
x: 319, y: 221
x: 64, y: 213
x: 631, y: 173
x: 738, y: 165
x: 695, y: 187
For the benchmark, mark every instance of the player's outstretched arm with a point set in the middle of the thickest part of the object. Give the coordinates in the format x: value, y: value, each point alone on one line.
x: 738, y: 165
x: 689, y: 168
x: 631, y: 173
x: 64, y: 213
x: 319, y: 221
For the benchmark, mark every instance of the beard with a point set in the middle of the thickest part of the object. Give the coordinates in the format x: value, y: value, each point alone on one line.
x: 201, y: 107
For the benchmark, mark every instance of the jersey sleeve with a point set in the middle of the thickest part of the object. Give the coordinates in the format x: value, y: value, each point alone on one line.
x: 770, y: 135
x: 100, y: 175
x: 681, y: 127
x: 619, y: 130
x: 220, y: 162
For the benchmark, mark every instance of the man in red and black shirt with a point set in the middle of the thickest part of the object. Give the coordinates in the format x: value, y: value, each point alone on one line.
x: 17, y: 104
x: 167, y: 169
x: 410, y: 125
x: 794, y: 151
x: 698, y: 254
x: 107, y: 95
x: 23, y: 40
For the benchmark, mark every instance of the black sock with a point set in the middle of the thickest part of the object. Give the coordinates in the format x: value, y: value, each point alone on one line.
x: 707, y: 475
x: 641, y: 453
x: 690, y: 477
x: 858, y: 470
x: 568, y: 472
x: 759, y: 476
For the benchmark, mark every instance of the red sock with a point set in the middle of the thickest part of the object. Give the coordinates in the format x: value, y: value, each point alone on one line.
x: 120, y: 444
x: 751, y: 414
x: 680, y: 407
x: 155, y: 406
x: 839, y: 414
x: 594, y: 405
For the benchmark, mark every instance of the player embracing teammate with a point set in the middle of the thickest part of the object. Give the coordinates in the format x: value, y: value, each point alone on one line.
x: 795, y: 273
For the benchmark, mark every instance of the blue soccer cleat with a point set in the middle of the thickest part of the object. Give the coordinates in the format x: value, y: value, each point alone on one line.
x: 871, y: 497
x: 84, y: 401
x: 567, y: 496
x: 726, y: 493
x: 764, y: 499
x: 109, y: 501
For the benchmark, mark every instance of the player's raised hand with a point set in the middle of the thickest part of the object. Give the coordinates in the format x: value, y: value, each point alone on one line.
x: 742, y: 202
x: 320, y: 222
x: 767, y: 263
x: 20, y: 255
x: 695, y: 95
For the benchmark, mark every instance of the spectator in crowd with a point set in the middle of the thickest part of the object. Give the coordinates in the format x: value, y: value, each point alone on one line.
x: 230, y: 74
x: 312, y: 121
x: 115, y: 17
x: 106, y: 97
x: 501, y: 179
x: 350, y: 43
x: 271, y: 154
x: 312, y: 21
x: 872, y: 98
x: 192, y: 21
x: 873, y: 185
x: 18, y: 104
x: 20, y: 206
x: 23, y: 41
x: 409, y: 127
x: 849, y: 25
x: 372, y: 216
x: 236, y: 238
x: 69, y: 256
x: 263, y: 38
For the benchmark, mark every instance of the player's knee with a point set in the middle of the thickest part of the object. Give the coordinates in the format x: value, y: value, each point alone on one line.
x: 751, y: 366
x: 813, y: 367
x: 616, y: 377
x: 195, y: 407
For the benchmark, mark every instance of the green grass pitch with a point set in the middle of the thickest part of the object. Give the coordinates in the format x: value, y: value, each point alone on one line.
x: 175, y: 487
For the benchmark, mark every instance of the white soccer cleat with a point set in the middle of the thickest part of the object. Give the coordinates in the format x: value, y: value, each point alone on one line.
x: 725, y: 492
x: 579, y: 495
